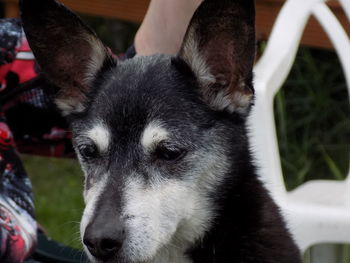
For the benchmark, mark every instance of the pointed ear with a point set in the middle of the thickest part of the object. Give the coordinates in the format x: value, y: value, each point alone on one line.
x: 68, y: 52
x: 219, y: 46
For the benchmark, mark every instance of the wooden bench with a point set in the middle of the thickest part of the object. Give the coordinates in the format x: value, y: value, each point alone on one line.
x: 134, y: 11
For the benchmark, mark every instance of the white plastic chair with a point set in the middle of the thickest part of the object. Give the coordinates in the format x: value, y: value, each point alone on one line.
x: 313, y: 214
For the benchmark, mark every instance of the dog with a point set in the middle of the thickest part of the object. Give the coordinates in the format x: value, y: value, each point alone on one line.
x: 162, y: 140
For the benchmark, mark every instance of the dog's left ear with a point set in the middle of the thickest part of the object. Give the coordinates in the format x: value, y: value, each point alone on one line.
x: 69, y: 53
x: 219, y: 46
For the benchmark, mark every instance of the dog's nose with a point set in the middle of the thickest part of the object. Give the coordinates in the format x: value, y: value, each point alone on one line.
x: 103, y: 248
x: 103, y: 243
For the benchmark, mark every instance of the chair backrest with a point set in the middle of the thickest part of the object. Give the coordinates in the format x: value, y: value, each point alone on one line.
x: 273, y: 68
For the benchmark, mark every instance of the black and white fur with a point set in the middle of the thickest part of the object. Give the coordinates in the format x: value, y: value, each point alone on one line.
x: 162, y: 140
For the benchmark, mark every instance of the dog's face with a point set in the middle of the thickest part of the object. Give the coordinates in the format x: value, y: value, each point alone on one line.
x: 150, y: 160
x: 151, y: 133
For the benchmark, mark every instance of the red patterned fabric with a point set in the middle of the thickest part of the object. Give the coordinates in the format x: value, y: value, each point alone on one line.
x: 17, y: 223
x: 27, y: 98
x: 24, y: 68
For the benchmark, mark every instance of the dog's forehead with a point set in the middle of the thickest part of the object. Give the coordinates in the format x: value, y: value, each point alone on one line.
x: 136, y: 85
x: 140, y: 73
x: 143, y: 89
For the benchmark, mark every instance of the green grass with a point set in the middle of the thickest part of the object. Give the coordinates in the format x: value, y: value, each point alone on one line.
x: 57, y: 186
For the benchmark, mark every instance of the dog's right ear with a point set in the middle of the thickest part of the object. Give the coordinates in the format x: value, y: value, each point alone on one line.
x: 68, y: 52
x: 219, y: 47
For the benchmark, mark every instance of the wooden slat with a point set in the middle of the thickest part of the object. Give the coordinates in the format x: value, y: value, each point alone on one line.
x: 10, y: 8
x: 130, y: 10
x: 332, y: 3
x: 314, y: 36
x: 134, y: 10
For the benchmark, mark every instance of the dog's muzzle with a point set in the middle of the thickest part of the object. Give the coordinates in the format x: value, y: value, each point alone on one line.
x: 104, y: 237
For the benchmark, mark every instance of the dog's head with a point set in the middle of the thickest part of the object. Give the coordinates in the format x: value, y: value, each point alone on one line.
x: 153, y: 134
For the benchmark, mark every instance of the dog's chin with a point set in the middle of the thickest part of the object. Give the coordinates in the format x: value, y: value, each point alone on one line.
x: 120, y: 258
x: 115, y: 260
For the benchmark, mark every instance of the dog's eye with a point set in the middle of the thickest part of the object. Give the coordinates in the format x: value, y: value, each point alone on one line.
x: 88, y: 151
x: 169, y: 153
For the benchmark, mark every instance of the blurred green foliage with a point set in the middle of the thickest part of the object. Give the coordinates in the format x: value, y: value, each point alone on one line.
x: 312, y: 119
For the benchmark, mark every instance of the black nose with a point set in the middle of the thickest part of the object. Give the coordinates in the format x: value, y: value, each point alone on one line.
x: 103, y: 242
